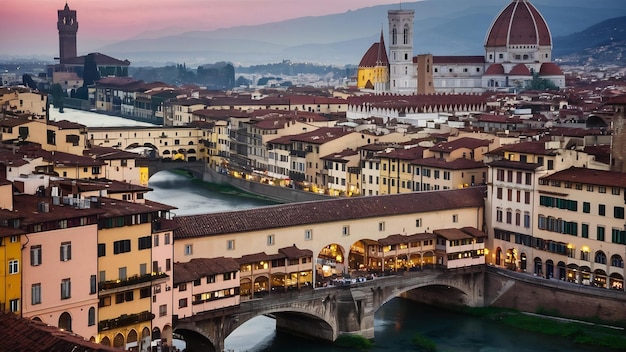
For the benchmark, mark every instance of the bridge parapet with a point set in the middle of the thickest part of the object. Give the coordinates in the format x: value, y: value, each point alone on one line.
x: 327, y: 313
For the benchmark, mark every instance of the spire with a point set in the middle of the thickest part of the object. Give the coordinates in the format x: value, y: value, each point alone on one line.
x: 382, y: 50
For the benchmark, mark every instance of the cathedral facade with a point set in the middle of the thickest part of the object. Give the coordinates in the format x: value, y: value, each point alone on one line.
x: 517, y: 45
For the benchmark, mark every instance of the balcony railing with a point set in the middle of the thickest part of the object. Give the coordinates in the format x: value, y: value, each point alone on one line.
x: 133, y: 280
x: 125, y: 320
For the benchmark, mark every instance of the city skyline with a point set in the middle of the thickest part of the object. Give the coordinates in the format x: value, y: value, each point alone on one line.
x: 32, y: 23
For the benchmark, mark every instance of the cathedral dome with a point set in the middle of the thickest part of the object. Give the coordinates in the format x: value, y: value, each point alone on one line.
x: 520, y: 70
x: 550, y: 69
x: 519, y: 24
x: 495, y: 69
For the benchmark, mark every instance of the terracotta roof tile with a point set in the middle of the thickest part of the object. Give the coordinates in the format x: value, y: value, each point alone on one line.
x: 321, y: 211
x: 589, y: 176
x: 198, y: 268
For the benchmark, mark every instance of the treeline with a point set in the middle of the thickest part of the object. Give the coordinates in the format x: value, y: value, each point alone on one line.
x: 220, y: 75
x: 292, y: 69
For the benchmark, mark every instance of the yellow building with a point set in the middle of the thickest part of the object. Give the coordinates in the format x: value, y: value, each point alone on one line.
x: 373, y: 70
x: 10, y: 253
x: 125, y: 271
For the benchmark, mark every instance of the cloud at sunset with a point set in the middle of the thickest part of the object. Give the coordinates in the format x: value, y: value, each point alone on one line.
x: 31, y: 24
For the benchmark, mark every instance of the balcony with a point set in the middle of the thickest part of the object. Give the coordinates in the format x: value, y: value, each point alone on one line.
x: 125, y: 320
x: 131, y: 281
x: 298, y: 153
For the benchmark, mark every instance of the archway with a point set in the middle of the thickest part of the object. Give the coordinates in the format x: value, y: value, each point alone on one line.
x: 538, y: 268
x: 168, y: 334
x: 36, y: 318
x: 522, y: 263
x: 330, y: 264
x: 105, y: 341
x: 562, y: 271
x: 585, y: 275
x: 549, y: 269
x: 278, y: 282
x: 261, y: 286
x: 616, y: 282
x: 146, y: 339
x: 511, y: 259
x: 118, y: 340
x: 156, y: 333
x: 65, y: 321
x: 131, y: 339
x: 245, y: 287
x: 572, y: 273
x: 599, y: 278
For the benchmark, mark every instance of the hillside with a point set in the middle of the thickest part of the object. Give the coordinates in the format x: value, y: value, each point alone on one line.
x: 442, y: 27
x: 601, y: 44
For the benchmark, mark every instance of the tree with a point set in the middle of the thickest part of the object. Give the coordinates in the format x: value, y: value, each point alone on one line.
x: 538, y: 83
x: 57, y: 96
x: 90, y: 70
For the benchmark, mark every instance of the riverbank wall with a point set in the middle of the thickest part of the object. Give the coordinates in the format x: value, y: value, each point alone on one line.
x: 278, y: 194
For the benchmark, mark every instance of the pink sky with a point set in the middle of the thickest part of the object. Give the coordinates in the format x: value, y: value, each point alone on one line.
x: 31, y: 24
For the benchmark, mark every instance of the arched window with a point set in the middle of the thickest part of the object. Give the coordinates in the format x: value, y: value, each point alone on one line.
x: 616, y: 260
x: 91, y: 317
x: 600, y: 257
x: 65, y: 321
x: 405, y: 35
x: 394, y: 35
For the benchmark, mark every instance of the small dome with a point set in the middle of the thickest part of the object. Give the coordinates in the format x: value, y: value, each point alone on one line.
x: 518, y: 24
x: 495, y: 69
x: 520, y: 70
x: 550, y: 69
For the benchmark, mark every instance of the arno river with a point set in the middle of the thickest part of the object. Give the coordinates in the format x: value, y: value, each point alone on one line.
x: 396, y: 322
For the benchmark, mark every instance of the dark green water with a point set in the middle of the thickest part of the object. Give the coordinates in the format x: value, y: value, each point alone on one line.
x: 396, y: 322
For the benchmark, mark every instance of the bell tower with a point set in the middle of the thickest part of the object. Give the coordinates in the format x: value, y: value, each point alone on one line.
x: 402, y: 78
x: 68, y: 27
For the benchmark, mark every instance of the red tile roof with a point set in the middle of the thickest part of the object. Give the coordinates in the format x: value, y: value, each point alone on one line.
x: 495, y: 69
x: 304, y: 213
x: 520, y: 70
x: 198, y: 268
x: 550, y: 69
x: 20, y: 334
x: 321, y: 135
x: 460, y: 143
x: 376, y: 55
x: 518, y: 24
x: 589, y: 176
x: 457, y: 164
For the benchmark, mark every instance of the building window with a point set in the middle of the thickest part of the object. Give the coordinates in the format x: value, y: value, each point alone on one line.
x: 601, y: 189
x: 618, y: 212
x: 418, y: 222
x: 308, y: 235
x: 14, y: 305
x: 168, y: 264
x: 182, y: 303
x: 586, y: 207
x: 66, y: 251
x: 122, y: 246
x: 499, y: 193
x: 35, y: 292
x: 528, y: 177
x: 102, y: 249
x: 145, y: 242
x: 381, y: 226
x: 499, y: 215
x: 615, y: 191
x: 163, y: 310
x: 509, y: 216
x: 35, y: 255
x: 66, y: 289
x: 345, y: 231
x: 600, y: 233
x: 92, y: 284
x: 156, y: 240
x: 270, y: 240
x: 91, y: 317
x: 182, y: 287
x: 230, y: 245
x: 526, y: 219
x: 584, y: 255
x: 14, y: 266
x: 167, y: 238
x: 188, y: 249
x: 601, y: 209
x: 455, y: 218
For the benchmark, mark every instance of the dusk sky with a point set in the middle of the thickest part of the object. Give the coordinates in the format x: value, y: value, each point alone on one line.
x: 31, y: 24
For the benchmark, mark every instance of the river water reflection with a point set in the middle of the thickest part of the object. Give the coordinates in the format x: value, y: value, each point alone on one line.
x: 395, y: 323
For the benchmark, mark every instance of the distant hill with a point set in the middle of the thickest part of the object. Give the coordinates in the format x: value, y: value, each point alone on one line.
x: 442, y: 27
x: 603, y: 43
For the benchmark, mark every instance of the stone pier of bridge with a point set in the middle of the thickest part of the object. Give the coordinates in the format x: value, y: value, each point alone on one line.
x: 327, y: 313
